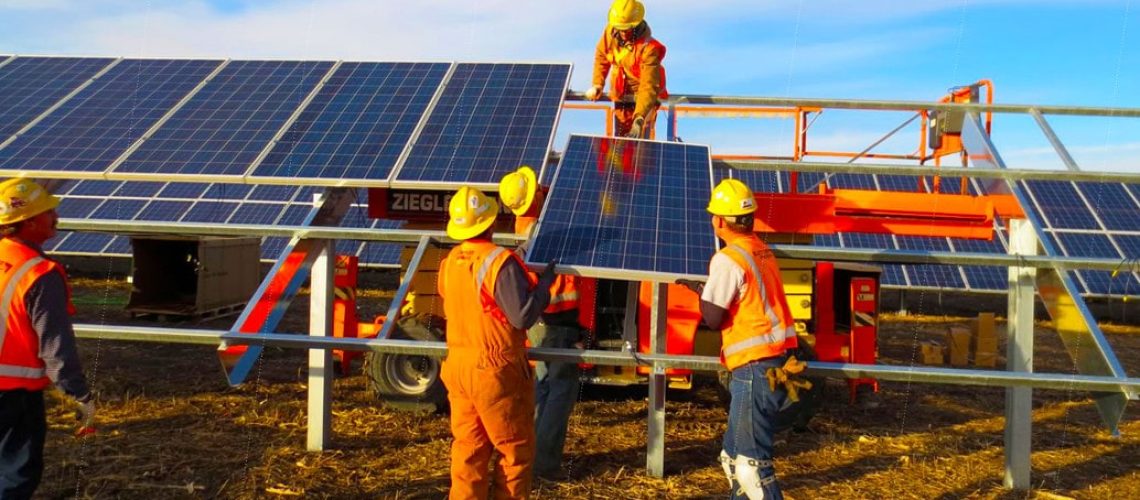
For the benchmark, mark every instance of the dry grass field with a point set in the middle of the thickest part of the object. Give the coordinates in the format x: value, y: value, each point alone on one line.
x: 170, y: 427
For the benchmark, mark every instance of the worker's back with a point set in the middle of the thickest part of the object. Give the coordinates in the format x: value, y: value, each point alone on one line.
x: 475, y: 323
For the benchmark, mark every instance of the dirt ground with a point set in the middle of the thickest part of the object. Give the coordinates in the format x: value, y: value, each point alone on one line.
x: 170, y: 427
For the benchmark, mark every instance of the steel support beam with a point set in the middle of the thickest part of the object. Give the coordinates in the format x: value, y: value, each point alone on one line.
x: 1019, y: 357
x: 320, y: 360
x: 658, y: 317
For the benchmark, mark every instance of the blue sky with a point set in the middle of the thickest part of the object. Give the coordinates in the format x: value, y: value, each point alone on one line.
x: 1036, y: 51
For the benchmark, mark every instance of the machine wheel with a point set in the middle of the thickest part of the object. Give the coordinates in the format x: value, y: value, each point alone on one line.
x: 797, y: 415
x: 407, y: 382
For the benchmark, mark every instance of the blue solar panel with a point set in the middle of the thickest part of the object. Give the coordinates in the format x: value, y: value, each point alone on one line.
x: 628, y: 205
x: 78, y: 208
x: 760, y: 181
x: 892, y: 273
x: 951, y: 185
x: 272, y: 193
x: 229, y: 122
x: 358, y: 123
x: 1062, y: 207
x: 904, y: 183
x: 826, y: 240
x: 31, y: 85
x: 852, y: 181
x: 257, y: 213
x: 937, y: 276
x: 118, y: 209
x: 90, y: 243
x: 138, y: 189
x: 806, y: 182
x: 188, y: 190
x: 1097, y: 245
x: 94, y: 188
x: 227, y: 192
x: 1113, y: 204
x: 983, y: 277
x: 489, y: 120
x: 210, y: 211
x: 96, y: 126
x: 164, y: 210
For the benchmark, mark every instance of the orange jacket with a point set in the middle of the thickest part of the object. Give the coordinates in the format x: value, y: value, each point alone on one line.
x: 475, y: 323
x: 759, y: 323
x: 20, y: 363
x: 564, y: 290
x: 639, y: 71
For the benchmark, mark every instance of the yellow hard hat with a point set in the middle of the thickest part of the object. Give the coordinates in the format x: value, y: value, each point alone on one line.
x: 472, y: 212
x: 626, y: 14
x: 517, y: 190
x: 730, y: 198
x: 22, y: 199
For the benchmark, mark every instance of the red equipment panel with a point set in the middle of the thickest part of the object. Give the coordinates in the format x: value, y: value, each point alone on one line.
x: 684, y: 311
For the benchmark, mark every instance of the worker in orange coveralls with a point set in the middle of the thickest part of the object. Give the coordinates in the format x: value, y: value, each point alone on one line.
x: 556, y: 383
x: 628, y: 47
x: 744, y: 298
x: 489, y: 300
x: 37, y: 343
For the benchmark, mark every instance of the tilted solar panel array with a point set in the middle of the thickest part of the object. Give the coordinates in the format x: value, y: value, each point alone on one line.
x: 1083, y: 219
x: 628, y: 205
x: 206, y: 203
x: 327, y: 123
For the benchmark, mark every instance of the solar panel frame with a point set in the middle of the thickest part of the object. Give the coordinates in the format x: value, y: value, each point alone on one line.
x: 620, y: 202
x: 433, y: 138
x: 24, y: 97
x: 89, y: 132
x: 301, y: 144
x: 217, y: 134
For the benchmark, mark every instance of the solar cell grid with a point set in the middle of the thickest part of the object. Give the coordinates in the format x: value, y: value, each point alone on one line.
x: 31, y: 85
x: 1111, y: 202
x: 92, y: 129
x: 358, y: 123
x: 1062, y: 207
x: 489, y: 120
x: 852, y: 181
x: 903, y: 183
x: 1097, y: 245
x: 226, y: 125
x: 620, y: 204
x: 930, y: 275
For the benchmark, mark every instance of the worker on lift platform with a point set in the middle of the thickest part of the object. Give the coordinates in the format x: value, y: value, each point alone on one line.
x: 556, y: 383
x: 627, y: 45
x: 489, y: 300
x: 744, y: 298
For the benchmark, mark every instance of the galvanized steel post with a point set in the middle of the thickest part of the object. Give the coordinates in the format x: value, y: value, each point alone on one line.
x: 1019, y: 356
x: 658, y: 324
x: 320, y: 360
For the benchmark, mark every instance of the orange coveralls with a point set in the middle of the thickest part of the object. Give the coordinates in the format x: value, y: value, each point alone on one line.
x: 489, y: 381
x: 638, y: 73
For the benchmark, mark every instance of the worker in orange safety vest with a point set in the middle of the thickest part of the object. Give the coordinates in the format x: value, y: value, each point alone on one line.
x: 489, y: 300
x: 744, y: 298
x: 556, y: 383
x: 37, y: 343
x: 628, y: 48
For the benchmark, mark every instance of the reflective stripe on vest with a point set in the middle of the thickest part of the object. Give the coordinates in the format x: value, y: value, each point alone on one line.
x: 779, y: 332
x: 6, y: 309
x: 485, y: 267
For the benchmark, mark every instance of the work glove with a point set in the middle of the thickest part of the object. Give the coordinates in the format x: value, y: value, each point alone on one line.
x: 593, y: 93
x: 786, y: 375
x: 86, y: 417
x: 635, y: 129
x: 547, y: 276
x: 694, y: 285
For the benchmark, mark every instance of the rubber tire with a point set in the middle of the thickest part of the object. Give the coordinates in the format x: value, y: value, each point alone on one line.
x: 408, y: 382
x: 799, y: 414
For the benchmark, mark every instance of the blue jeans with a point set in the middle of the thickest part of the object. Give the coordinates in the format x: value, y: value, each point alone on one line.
x: 555, y: 391
x: 23, y: 428
x: 752, y: 420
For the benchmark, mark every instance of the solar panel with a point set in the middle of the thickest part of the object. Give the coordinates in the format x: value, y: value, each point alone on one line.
x: 1096, y: 245
x: 93, y: 128
x: 489, y: 120
x: 226, y: 125
x: 893, y: 274
x: 934, y: 276
x: 903, y: 183
x: 628, y: 205
x: 31, y: 85
x: 983, y: 277
x: 357, y: 125
x: 852, y: 181
x: 1112, y: 203
x: 1061, y: 205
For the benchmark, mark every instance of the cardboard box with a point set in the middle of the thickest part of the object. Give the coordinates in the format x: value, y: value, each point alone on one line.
x: 985, y: 359
x: 985, y: 334
x: 958, y: 339
x: 933, y: 353
x: 982, y: 344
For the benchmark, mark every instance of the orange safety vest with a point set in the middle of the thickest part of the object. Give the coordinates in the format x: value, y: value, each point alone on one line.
x: 20, y: 363
x: 627, y: 64
x: 470, y: 271
x: 759, y: 323
x: 564, y: 289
